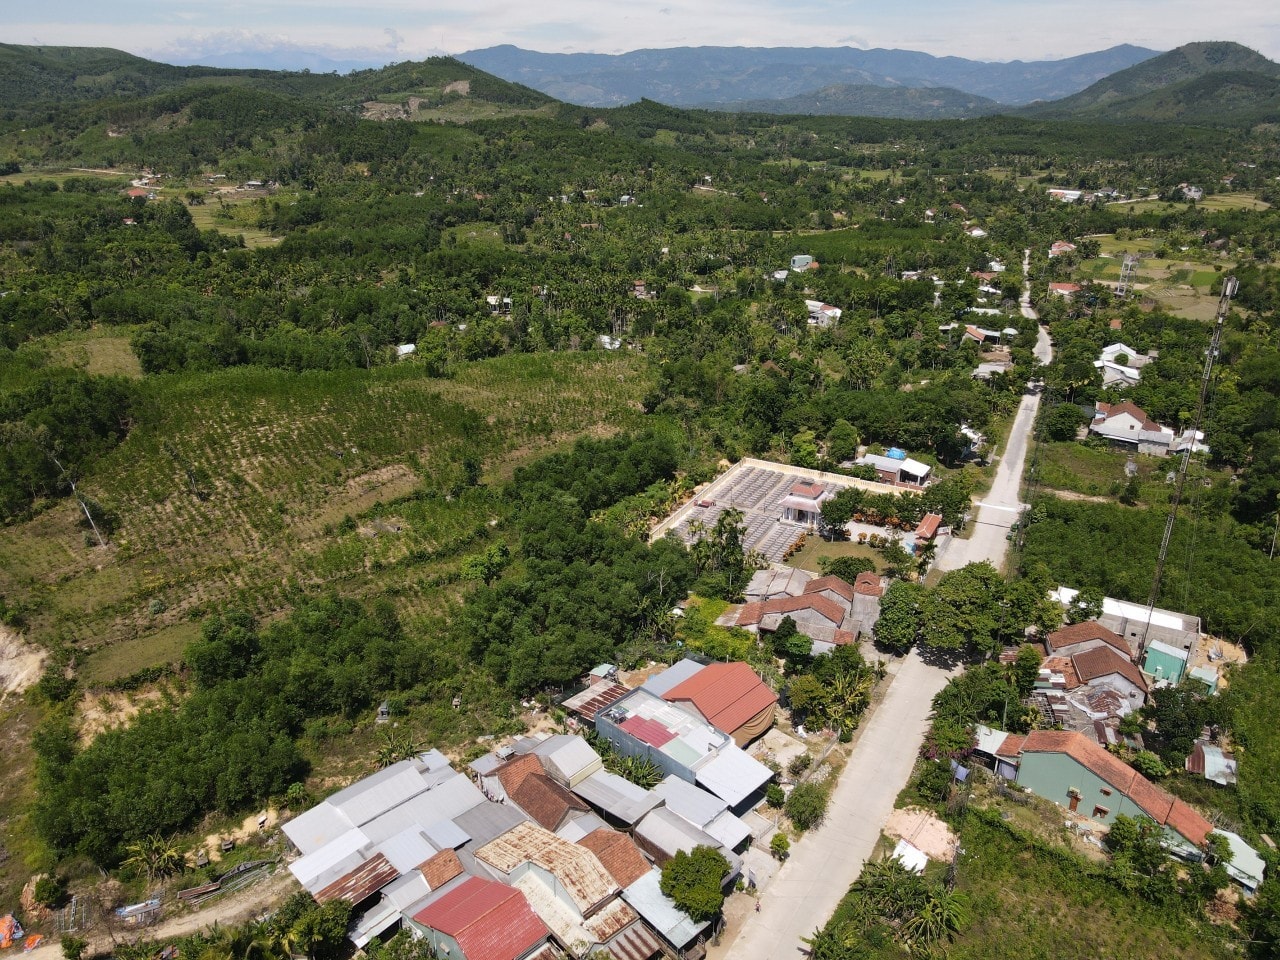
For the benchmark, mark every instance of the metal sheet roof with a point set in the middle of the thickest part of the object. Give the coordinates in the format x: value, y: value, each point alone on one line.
x: 578, y: 871
x: 733, y: 775
x: 489, y: 821
x: 616, y: 796
x: 406, y: 849
x: 1246, y: 865
x: 690, y: 802
x: 444, y: 802
x: 361, y: 883
x: 660, y: 912
x: 445, y: 835
x: 677, y: 673
x: 320, y: 825
x: 728, y: 830
x: 313, y: 865
x: 568, y: 758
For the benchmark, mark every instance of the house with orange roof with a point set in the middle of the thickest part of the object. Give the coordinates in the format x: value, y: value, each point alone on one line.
x: 1084, y: 777
x: 729, y: 696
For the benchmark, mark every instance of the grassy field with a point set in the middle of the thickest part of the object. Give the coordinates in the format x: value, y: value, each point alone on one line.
x: 1027, y: 883
x: 246, y: 486
x: 233, y: 217
x: 1075, y: 467
x: 1221, y: 201
x: 100, y: 352
x: 807, y: 557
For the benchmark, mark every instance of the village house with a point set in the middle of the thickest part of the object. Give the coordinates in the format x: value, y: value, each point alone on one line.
x: 483, y: 920
x: 499, y: 868
x: 1061, y: 248
x: 677, y: 740
x: 897, y: 469
x: 822, y: 315
x: 1127, y: 427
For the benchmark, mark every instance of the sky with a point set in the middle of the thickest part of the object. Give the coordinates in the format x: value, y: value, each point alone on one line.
x: 270, y: 33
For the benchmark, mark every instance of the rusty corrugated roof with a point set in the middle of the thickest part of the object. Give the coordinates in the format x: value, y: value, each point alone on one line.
x: 364, y: 881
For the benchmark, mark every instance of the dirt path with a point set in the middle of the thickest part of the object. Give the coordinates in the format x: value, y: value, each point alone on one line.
x: 231, y: 910
x: 1082, y: 497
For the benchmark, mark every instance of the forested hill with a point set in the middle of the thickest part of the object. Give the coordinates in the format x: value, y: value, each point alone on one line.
x: 1196, y: 83
x: 35, y: 78
x: 868, y: 100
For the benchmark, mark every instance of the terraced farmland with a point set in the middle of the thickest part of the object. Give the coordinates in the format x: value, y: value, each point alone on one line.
x: 247, y: 485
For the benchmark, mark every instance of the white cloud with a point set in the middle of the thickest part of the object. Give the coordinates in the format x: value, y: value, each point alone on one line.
x: 401, y: 29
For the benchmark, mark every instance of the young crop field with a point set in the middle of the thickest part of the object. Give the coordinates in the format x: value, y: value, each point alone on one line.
x: 97, y: 352
x: 234, y: 217
x: 244, y: 485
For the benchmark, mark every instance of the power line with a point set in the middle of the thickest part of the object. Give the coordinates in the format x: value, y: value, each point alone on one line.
x: 1229, y: 286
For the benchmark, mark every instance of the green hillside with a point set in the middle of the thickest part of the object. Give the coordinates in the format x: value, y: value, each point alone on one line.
x: 867, y: 100
x: 1196, y: 83
x: 34, y: 78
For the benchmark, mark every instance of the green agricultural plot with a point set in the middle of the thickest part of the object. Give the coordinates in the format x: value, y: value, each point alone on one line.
x: 97, y: 352
x: 242, y: 486
x: 234, y: 217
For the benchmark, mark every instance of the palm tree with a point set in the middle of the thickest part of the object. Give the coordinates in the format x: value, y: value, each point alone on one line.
x: 156, y: 857
x: 943, y: 913
x: 396, y: 745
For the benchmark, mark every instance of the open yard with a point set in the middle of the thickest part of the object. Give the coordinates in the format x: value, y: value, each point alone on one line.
x: 1221, y: 201
x: 815, y: 548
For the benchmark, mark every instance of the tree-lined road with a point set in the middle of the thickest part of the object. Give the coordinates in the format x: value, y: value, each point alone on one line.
x: 806, y: 890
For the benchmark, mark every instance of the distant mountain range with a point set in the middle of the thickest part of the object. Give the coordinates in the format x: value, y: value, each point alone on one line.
x: 724, y: 76
x: 1213, y: 84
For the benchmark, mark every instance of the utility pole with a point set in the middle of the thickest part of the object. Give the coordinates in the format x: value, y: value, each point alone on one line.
x: 1229, y: 287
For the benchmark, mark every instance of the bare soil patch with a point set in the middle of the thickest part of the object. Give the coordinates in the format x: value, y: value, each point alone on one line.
x: 105, y: 711
x: 924, y: 831
x: 20, y: 663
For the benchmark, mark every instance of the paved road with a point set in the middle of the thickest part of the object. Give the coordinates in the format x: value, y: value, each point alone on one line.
x: 998, y: 510
x: 805, y: 891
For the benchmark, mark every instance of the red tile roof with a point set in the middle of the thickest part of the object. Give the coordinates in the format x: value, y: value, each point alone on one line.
x: 823, y: 606
x: 546, y: 801
x: 1101, y: 661
x: 490, y: 920
x: 837, y: 586
x: 1082, y: 633
x: 928, y: 526
x: 1109, y: 410
x: 844, y: 637
x: 1064, y: 666
x: 1011, y: 747
x: 869, y: 584
x: 807, y: 488
x: 1150, y: 799
x: 729, y: 695
x: 364, y: 881
x: 650, y: 731
x: 514, y: 772
x: 618, y: 853
x: 440, y: 869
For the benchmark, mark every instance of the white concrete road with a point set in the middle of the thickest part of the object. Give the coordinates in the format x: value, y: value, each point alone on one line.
x: 804, y: 893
